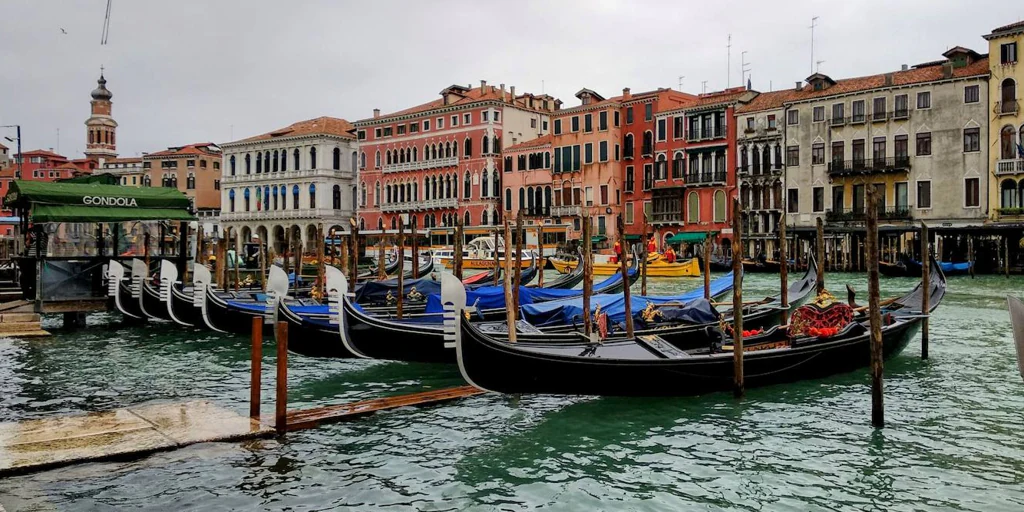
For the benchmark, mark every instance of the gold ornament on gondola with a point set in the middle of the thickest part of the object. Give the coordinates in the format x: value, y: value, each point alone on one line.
x: 650, y: 313
x: 390, y: 298
x: 414, y: 295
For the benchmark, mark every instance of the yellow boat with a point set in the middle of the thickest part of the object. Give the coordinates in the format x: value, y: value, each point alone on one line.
x: 656, y: 267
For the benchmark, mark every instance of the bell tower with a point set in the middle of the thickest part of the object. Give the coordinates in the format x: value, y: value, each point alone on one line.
x: 101, y: 129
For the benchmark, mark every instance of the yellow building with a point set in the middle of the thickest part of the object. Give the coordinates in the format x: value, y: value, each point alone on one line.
x: 1006, y: 145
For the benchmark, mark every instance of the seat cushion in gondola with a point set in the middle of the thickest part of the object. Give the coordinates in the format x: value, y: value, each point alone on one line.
x: 825, y: 314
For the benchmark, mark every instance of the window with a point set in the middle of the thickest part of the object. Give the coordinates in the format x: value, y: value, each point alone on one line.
x: 678, y: 166
x: 771, y: 122
x: 588, y: 153
x: 630, y: 178
x: 454, y: 121
x: 878, y: 109
x: 971, y: 94
x: 858, y: 152
x: 878, y: 149
x: 558, y: 126
x: 924, y: 144
x: 588, y: 123
x: 648, y: 176
x: 544, y: 126
x: 401, y: 129
x: 793, y: 117
x: 661, y: 129
x: 1008, y: 53
x: 508, y: 199
x: 750, y: 124
x: 857, y: 108
x: 602, y: 120
x: 838, y: 152
x: 838, y: 113
x: 648, y: 111
x: 629, y: 213
x: 576, y: 157
x: 602, y: 153
x: 467, y: 186
x: 485, y: 116
x: 533, y: 123
x: 818, y: 153
x: 901, y: 196
x: 589, y: 196
x: 616, y: 152
x: 190, y: 182
x: 818, y: 199
x: 819, y: 114
x: 924, y: 100
x: 468, y: 148
x: 604, y: 195
x: 387, y: 131
x: 900, y: 105
x: 837, y: 198
x: 793, y: 200
x: 793, y: 155
x: 629, y: 115
x: 692, y: 208
x: 361, y: 135
x: 972, y: 191
x: 972, y: 139
x: 900, y: 149
x: 924, y: 194
x: 295, y: 157
x: 574, y: 124
x: 466, y: 119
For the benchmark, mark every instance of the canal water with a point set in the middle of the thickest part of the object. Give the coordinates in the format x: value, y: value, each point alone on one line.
x: 952, y: 441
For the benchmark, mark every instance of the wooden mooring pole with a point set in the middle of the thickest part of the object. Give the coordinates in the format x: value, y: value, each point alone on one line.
x: 457, y: 249
x: 321, y: 265
x: 297, y: 255
x: 497, y: 264
x: 510, y: 304
x: 519, y: 259
x: 354, y: 254
x: 238, y: 259
x: 643, y: 252
x: 256, y: 367
x: 783, y: 268
x: 926, y: 269
x: 281, y: 396
x: 381, y: 274
x: 415, y: 253
x: 737, y: 298
x: 707, y: 267
x: 970, y: 254
x: 263, y: 265
x: 541, y: 263
x: 875, y: 311
x: 821, y: 256
x: 588, y: 276
x: 220, y: 265
x: 626, y: 299
x: 401, y: 268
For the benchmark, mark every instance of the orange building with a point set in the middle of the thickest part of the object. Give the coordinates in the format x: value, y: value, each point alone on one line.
x: 193, y: 169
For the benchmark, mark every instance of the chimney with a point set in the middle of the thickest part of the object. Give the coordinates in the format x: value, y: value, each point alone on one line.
x: 947, y: 70
x: 512, y: 92
x: 503, y: 98
x: 483, y: 85
x: 799, y: 85
x: 625, y: 93
x: 888, y: 79
x: 904, y: 67
x: 376, y: 113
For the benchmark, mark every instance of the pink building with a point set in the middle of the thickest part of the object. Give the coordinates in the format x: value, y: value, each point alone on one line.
x: 429, y: 163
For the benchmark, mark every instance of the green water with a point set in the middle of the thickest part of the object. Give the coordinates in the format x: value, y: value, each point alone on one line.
x: 952, y: 440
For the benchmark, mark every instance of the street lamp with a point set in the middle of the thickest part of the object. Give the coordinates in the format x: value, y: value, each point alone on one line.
x: 17, y: 174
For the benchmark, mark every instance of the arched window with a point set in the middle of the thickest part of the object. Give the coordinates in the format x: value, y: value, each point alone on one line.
x: 484, y: 180
x: 295, y: 158
x: 295, y: 196
x: 245, y: 197
x: 362, y: 160
x: 1009, y: 96
x: 466, y: 186
x: 232, y: 164
x: 426, y: 152
x: 468, y: 148
x: 336, y: 197
x: 678, y: 164
x: 455, y: 148
x: 147, y: 181
x: 447, y: 187
x: 190, y: 182
x: 467, y: 220
x: 376, y: 194
x: 266, y: 198
x: 1008, y: 194
x: 273, y: 162
x: 387, y: 157
x: 627, y: 149
x: 719, y: 206
x: 530, y: 204
x: 1007, y: 143
x: 376, y: 159
x: 447, y: 150
x: 231, y: 200
x: 337, y: 159
x: 394, y: 224
x: 508, y: 199
x: 312, y: 157
x: 485, y: 145
x: 266, y: 161
x: 661, y: 168
x: 355, y: 161
x: 433, y: 151
x: 415, y: 191
x: 415, y: 154
x: 766, y: 159
x: 362, y: 224
x: 483, y: 218
x: 648, y: 146
x: 380, y: 223
x: 522, y: 199
x: 433, y: 188
x: 362, y: 194
x: 692, y: 208
x: 497, y: 144
x: 744, y: 160
x: 284, y: 160
x: 273, y: 191
x: 174, y: 181
x: 547, y: 200
x: 495, y: 183
x: 538, y: 200
x: 259, y: 162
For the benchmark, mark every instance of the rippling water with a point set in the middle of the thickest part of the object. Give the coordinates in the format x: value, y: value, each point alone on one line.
x: 952, y: 439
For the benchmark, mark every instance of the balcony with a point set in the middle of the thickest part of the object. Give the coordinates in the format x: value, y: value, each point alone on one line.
x: 882, y: 165
x: 1010, y: 167
x: 837, y: 121
x: 901, y: 114
x: 705, y: 178
x: 1006, y: 108
x: 420, y: 165
x: 276, y: 177
x: 757, y: 170
x: 271, y: 215
x: 541, y: 211
x: 859, y: 215
x: 858, y: 119
x: 716, y: 133
x: 572, y: 210
x: 879, y: 117
x: 667, y: 218
x: 1010, y: 214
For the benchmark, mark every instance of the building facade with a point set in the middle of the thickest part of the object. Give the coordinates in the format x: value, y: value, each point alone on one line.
x: 915, y: 135
x: 1006, y: 124
x: 435, y: 162
x: 281, y: 185
x: 760, y: 169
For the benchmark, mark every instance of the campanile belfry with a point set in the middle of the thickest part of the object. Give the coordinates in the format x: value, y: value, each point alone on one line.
x: 101, y: 129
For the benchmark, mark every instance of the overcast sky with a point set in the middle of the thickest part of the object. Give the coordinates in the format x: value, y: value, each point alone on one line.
x: 191, y: 70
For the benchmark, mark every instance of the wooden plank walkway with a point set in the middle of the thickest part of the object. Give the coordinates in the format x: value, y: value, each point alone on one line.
x: 309, y: 418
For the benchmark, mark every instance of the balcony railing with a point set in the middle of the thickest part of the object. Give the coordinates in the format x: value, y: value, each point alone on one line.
x: 1011, y: 166
x: 901, y: 114
x: 758, y: 170
x: 860, y: 214
x: 877, y: 117
x: 705, y: 178
x: 667, y: 218
x: 421, y: 164
x: 837, y: 121
x: 542, y: 211
x: 1006, y: 108
x: 428, y: 204
x: 572, y: 210
x: 857, y: 119
x: 891, y: 164
x: 699, y: 135
x: 1010, y: 213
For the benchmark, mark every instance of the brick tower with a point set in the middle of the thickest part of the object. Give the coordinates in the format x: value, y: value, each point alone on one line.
x: 101, y: 129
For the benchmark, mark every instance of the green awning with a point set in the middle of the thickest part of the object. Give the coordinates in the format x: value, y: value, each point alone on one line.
x: 632, y: 238
x: 89, y: 202
x: 598, y: 239
x: 688, y: 238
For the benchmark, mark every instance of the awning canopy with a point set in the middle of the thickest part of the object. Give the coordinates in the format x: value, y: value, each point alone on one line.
x: 78, y: 202
x: 632, y: 238
x: 598, y: 239
x: 687, y: 237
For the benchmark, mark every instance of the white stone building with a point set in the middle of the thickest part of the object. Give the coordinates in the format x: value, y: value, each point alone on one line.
x: 289, y: 181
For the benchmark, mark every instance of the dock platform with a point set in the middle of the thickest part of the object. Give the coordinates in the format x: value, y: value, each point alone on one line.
x: 35, y: 445
x: 309, y: 418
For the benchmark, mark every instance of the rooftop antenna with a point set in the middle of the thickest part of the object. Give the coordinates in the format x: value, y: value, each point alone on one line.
x: 814, y: 21
x: 744, y: 66
x: 728, y: 62
x: 106, y: 24
x: 817, y: 65
x: 542, y: 87
x: 681, y: 77
x: 703, y: 86
x: 58, y: 141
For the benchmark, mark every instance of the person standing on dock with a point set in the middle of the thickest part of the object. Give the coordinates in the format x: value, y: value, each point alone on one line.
x: 651, y: 246
x: 618, y: 252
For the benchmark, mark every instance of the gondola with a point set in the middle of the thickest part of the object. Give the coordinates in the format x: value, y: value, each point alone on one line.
x: 482, y: 277
x: 234, y: 312
x: 390, y: 267
x: 720, y: 263
x: 123, y: 291
x: 156, y: 300
x: 1017, y: 322
x: 898, y: 269
x: 565, y: 281
x: 766, y: 266
x: 650, y: 366
x: 949, y: 268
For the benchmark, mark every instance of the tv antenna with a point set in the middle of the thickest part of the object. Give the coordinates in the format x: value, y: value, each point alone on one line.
x: 106, y: 24
x: 728, y: 62
x: 681, y: 77
x: 814, y: 21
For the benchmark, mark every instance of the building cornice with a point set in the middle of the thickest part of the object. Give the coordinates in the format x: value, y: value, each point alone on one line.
x: 276, y: 140
x: 980, y: 76
x: 372, y: 121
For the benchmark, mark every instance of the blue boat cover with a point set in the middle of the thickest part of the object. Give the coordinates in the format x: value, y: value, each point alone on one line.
x: 570, y: 311
x: 949, y: 267
x: 376, y: 292
x: 697, y: 312
x: 493, y: 297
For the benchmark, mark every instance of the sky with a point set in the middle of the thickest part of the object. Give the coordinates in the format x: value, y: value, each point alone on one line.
x: 198, y: 70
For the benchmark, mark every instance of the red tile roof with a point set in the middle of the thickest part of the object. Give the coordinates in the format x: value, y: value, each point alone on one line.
x: 768, y: 100
x: 43, y: 152
x: 3, y: 147
x: 321, y: 125
x: 1011, y: 26
x: 534, y: 143
x: 899, y: 78
x: 126, y: 160
x: 198, y: 149
x: 462, y: 96
x: 717, y: 97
